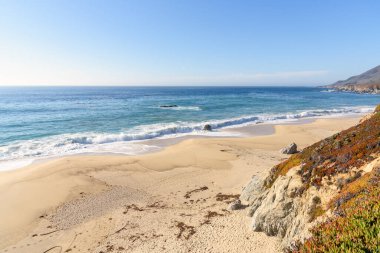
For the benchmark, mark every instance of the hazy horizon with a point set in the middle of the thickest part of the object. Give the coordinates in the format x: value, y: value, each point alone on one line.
x: 181, y: 43
x: 158, y: 85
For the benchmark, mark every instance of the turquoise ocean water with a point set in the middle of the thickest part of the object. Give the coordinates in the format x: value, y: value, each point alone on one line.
x: 41, y: 122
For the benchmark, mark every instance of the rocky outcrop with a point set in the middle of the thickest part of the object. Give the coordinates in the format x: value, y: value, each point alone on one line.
x: 281, y: 210
x: 289, y: 211
x: 290, y: 149
x: 372, y: 89
x: 311, y: 185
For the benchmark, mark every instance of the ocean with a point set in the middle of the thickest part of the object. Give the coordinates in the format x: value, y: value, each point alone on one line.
x: 44, y: 122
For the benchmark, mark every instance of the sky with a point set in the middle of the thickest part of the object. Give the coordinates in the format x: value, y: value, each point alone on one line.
x: 186, y: 42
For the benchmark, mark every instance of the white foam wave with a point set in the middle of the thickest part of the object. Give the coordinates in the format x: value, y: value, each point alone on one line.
x: 182, y: 108
x: 126, y: 142
x: 14, y: 164
x: 329, y: 90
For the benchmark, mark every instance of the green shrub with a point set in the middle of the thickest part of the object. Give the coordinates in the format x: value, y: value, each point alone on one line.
x: 339, y: 153
x: 377, y: 109
x: 356, y: 229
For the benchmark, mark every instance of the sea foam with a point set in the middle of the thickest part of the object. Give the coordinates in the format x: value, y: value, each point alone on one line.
x: 181, y: 108
x: 127, y: 142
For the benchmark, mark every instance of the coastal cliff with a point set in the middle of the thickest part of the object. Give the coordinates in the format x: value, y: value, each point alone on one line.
x: 325, y: 197
x: 367, y: 82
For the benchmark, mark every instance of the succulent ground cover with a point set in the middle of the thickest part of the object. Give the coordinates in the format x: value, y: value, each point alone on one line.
x: 339, y: 153
x: 356, y: 226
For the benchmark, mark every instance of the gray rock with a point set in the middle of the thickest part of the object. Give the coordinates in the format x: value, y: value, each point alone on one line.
x: 291, y: 149
x: 251, y: 189
x: 236, y: 205
x: 207, y: 127
x: 277, y: 211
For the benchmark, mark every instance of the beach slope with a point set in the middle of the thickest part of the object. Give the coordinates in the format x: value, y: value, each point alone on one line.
x: 174, y: 200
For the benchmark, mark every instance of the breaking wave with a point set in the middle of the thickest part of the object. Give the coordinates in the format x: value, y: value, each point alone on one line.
x: 66, y: 144
x: 181, y: 108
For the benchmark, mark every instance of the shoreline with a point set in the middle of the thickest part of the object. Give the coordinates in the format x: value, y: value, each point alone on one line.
x: 344, y: 89
x: 245, y: 130
x: 178, y: 195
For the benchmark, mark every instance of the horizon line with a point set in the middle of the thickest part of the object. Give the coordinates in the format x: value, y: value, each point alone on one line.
x: 160, y: 85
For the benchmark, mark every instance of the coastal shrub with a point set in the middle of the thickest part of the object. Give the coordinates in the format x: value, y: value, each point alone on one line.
x: 339, y: 153
x: 356, y: 224
x: 316, y: 212
x: 377, y: 109
x: 356, y: 230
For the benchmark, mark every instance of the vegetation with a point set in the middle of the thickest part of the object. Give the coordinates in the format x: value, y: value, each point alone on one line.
x: 356, y: 228
x: 377, y: 109
x: 339, y: 153
x: 355, y: 223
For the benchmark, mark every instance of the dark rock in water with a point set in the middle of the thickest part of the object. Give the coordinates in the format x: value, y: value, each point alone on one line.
x: 207, y: 127
x: 291, y: 149
x: 168, y: 106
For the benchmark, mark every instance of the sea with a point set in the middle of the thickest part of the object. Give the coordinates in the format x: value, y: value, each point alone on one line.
x: 46, y: 122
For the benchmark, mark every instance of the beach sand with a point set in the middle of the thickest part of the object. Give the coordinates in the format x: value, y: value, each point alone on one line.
x: 174, y: 200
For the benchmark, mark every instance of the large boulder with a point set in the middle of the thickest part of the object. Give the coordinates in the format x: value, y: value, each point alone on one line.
x: 279, y: 210
x: 291, y: 149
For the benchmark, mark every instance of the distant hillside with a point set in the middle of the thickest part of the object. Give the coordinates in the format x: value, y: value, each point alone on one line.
x: 368, y: 82
x: 326, y: 197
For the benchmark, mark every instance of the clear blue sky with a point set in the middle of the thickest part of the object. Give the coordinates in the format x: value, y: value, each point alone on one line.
x: 82, y: 42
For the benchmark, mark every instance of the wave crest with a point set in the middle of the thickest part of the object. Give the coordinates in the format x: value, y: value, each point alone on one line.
x: 115, y: 142
x: 181, y: 108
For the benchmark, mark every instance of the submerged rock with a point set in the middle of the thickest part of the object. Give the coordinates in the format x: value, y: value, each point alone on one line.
x: 168, y: 106
x: 207, y: 127
x: 291, y: 149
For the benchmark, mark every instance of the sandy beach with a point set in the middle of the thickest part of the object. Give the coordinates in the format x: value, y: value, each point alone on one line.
x: 173, y: 200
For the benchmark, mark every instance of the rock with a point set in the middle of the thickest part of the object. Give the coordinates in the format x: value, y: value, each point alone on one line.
x: 168, y: 106
x: 286, y: 209
x: 280, y: 210
x: 236, y: 205
x: 207, y: 127
x: 291, y: 149
x: 252, y: 189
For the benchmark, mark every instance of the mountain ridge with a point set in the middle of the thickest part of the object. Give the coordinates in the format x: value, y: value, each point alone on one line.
x: 367, y: 82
